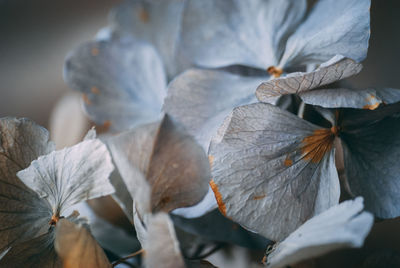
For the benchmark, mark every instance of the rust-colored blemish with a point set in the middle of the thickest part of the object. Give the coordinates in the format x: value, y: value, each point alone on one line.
x: 86, y: 99
x: 371, y: 106
x: 95, y: 90
x: 275, y: 71
x: 258, y: 197
x: 106, y: 125
x: 315, y: 147
x: 373, y: 103
x: 288, y: 162
x: 54, y: 219
x: 218, y: 196
x: 211, y: 160
x: 264, y: 260
x: 94, y: 51
x: 144, y: 15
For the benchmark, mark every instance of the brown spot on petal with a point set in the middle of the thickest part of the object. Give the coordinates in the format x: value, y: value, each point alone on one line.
x: 288, y: 162
x: 86, y: 99
x: 275, y: 71
x: 54, y: 219
x: 95, y: 90
x: 144, y: 15
x: 94, y: 51
x: 315, y: 147
x: 258, y: 197
x: 218, y: 196
x: 373, y: 103
x: 106, y: 125
x: 371, y: 106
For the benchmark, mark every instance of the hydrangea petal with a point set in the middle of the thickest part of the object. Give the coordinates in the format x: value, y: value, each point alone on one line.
x: 332, y: 27
x: 201, y: 99
x: 271, y: 167
x: 174, y: 165
x: 157, y: 22
x: 71, y: 175
x: 371, y: 153
x: 369, y: 99
x: 221, y: 33
x: 331, y: 71
x: 37, y: 252
x: 122, y: 79
x: 23, y: 215
x: 162, y: 247
x: 341, y: 226
x: 76, y: 246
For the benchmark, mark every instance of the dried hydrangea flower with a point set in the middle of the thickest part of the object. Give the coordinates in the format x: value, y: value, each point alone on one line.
x: 163, y: 169
x: 174, y: 165
x: 274, y: 35
x: 76, y: 246
x: 122, y: 80
x: 269, y: 166
x: 157, y: 22
x: 342, y: 226
x: 48, y: 183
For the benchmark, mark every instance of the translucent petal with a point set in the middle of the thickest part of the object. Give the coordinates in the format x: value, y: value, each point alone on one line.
x: 122, y: 79
x: 77, y: 248
x: 253, y: 33
x: 342, y: 226
x: 71, y: 175
x: 23, y: 215
x: 157, y: 22
x: 271, y: 167
x: 331, y: 71
x: 332, y: 27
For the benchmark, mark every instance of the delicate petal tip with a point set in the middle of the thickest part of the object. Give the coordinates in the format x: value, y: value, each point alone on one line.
x: 55, y: 176
x: 342, y: 226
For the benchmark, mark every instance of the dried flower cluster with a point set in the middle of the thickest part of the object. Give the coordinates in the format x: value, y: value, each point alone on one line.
x: 203, y: 104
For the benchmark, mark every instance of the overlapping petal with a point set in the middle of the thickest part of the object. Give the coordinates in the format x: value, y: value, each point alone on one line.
x: 271, y: 167
x: 122, y: 79
x: 342, y: 226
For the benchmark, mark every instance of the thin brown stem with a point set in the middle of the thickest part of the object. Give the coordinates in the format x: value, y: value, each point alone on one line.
x: 134, y: 254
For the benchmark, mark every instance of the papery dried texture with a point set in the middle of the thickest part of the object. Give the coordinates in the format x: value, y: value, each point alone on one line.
x: 22, y: 213
x: 333, y: 70
x: 71, y: 175
x: 157, y: 22
x: 172, y: 163
x: 36, y: 252
x: 263, y: 34
x: 76, y: 246
x: 162, y: 247
x: 332, y: 27
x: 122, y: 79
x: 253, y: 33
x: 371, y: 149
x: 201, y: 99
x: 342, y: 226
x: 271, y: 167
x: 369, y: 99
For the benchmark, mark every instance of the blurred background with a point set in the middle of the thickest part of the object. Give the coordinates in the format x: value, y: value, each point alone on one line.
x: 35, y: 37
